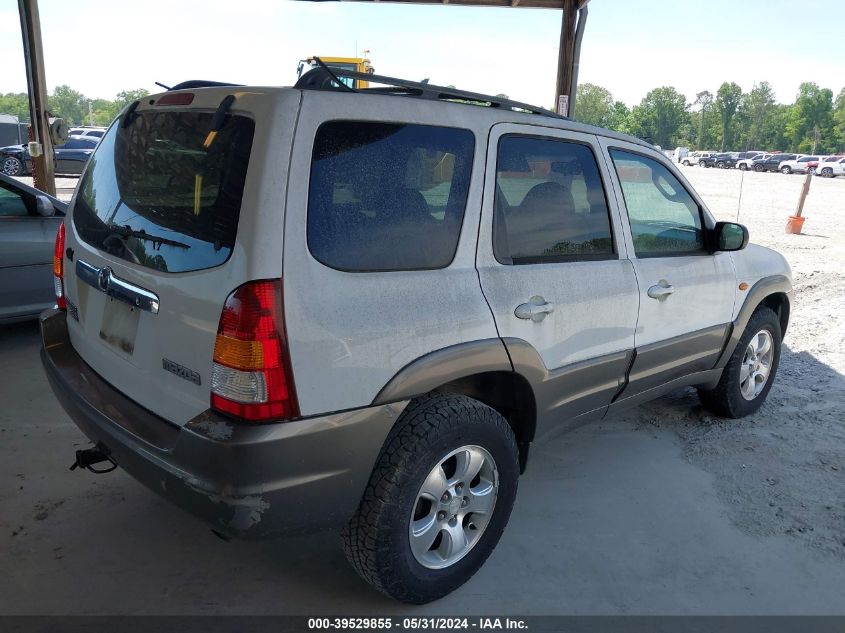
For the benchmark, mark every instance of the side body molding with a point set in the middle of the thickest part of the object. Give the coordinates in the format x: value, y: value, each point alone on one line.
x: 445, y: 365
x: 765, y: 287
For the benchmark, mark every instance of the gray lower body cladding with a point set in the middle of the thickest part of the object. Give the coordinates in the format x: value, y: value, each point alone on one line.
x: 250, y: 481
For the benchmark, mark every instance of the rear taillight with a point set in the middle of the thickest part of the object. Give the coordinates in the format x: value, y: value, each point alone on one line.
x: 251, y: 376
x: 58, y: 268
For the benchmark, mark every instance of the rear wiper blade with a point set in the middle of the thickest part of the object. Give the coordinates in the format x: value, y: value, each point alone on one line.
x: 125, y: 231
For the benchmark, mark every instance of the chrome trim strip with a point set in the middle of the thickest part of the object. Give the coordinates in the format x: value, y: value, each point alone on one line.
x: 104, y: 280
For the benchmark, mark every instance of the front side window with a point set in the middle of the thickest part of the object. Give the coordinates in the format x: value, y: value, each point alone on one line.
x: 549, y: 204
x: 387, y: 196
x: 664, y: 218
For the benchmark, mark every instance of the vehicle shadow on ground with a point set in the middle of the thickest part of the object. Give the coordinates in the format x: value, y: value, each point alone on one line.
x: 780, y: 470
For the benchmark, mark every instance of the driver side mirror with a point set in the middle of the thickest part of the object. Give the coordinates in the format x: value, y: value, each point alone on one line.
x: 729, y: 236
x: 44, y: 207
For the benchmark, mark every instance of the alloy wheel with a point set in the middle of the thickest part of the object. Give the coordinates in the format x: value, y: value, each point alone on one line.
x: 756, y: 365
x: 453, y: 507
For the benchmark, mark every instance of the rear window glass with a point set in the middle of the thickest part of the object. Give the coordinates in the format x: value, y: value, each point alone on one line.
x: 387, y: 196
x: 155, y: 195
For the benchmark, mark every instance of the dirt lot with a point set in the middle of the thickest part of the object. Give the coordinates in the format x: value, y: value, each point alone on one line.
x: 664, y: 509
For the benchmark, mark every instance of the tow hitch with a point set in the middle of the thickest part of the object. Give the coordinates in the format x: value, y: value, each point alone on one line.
x: 90, y: 456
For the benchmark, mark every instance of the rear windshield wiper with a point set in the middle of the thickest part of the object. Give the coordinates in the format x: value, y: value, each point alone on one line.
x: 125, y: 231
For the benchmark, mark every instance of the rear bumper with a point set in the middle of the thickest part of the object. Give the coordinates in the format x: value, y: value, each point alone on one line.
x: 246, y: 481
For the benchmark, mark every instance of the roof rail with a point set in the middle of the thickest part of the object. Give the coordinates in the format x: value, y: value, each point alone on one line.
x: 319, y: 79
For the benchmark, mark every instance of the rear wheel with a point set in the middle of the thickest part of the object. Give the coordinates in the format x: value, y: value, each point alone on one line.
x: 785, y: 169
x: 827, y: 172
x: 12, y: 166
x: 438, y: 499
x: 758, y: 168
x: 701, y: 163
x: 743, y: 167
x: 720, y: 165
x: 748, y: 376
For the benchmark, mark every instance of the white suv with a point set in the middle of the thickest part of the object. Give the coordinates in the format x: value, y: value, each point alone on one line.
x: 831, y: 167
x: 287, y: 309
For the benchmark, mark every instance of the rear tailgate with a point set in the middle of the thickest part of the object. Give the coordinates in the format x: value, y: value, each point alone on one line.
x: 166, y: 222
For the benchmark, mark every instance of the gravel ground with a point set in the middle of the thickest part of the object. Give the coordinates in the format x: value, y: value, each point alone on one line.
x: 781, y: 471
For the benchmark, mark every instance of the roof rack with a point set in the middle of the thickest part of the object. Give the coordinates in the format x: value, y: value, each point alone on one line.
x: 320, y: 79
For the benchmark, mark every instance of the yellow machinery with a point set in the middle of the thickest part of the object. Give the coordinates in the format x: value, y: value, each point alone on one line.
x: 357, y: 64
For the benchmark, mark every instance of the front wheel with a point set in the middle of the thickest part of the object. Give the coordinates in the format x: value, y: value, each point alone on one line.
x: 701, y: 163
x: 743, y: 167
x: 720, y: 165
x: 827, y: 172
x: 758, y: 168
x: 750, y: 371
x: 785, y: 170
x: 438, y: 499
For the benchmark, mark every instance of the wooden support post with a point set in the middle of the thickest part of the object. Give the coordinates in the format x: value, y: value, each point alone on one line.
x: 794, y: 223
x: 804, y: 191
x: 42, y: 166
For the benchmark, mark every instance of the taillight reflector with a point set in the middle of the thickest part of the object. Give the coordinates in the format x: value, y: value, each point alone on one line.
x: 58, y: 268
x: 251, y: 374
x: 176, y: 98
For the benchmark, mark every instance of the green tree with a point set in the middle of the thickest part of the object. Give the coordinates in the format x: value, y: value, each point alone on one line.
x: 619, y: 118
x: 758, y: 107
x: 703, y: 102
x: 16, y: 104
x: 839, y: 123
x: 594, y: 105
x: 659, y: 116
x: 811, y: 119
x: 727, y: 102
x: 67, y: 103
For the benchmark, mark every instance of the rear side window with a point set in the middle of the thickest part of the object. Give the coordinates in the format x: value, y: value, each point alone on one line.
x: 387, y: 196
x: 550, y: 204
x: 158, y: 194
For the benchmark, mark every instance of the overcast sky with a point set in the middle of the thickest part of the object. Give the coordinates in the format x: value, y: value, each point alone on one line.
x: 100, y: 47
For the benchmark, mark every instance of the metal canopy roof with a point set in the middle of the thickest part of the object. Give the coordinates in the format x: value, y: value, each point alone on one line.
x: 525, y: 4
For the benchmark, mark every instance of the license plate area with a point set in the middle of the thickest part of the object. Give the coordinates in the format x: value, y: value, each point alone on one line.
x: 119, y: 325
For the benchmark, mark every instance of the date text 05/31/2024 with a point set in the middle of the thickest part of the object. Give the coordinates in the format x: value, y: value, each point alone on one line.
x: 421, y: 624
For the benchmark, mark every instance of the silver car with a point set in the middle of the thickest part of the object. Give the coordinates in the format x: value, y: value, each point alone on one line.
x: 29, y: 220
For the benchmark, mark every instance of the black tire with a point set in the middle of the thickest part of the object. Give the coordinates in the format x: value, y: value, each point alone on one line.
x: 701, y: 163
x: 11, y: 166
x: 785, y: 170
x: 376, y: 540
x: 726, y: 399
x: 720, y: 165
x: 743, y: 167
x: 758, y: 168
x: 827, y: 172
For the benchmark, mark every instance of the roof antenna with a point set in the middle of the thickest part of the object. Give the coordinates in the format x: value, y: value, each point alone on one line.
x: 158, y: 83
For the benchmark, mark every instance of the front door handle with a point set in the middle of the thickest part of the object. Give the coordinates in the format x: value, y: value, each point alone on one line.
x: 536, y: 309
x: 660, y: 290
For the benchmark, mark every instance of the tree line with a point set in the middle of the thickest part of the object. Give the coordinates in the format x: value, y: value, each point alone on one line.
x: 71, y: 105
x: 730, y: 120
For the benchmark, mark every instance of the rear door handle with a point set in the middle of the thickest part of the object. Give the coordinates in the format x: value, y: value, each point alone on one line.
x: 536, y: 309
x: 661, y: 290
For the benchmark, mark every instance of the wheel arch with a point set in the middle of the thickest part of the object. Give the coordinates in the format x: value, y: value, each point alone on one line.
x: 478, y: 369
x: 774, y: 292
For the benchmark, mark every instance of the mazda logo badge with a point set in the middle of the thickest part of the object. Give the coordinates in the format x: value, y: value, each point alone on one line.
x: 103, y: 279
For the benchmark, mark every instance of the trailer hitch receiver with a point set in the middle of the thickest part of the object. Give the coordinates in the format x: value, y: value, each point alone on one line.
x: 90, y: 456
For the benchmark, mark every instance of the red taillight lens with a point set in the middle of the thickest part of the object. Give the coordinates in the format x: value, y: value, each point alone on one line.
x: 58, y: 268
x: 251, y: 376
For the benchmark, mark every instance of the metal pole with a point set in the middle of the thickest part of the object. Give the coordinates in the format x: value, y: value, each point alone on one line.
x: 42, y: 166
x: 573, y: 22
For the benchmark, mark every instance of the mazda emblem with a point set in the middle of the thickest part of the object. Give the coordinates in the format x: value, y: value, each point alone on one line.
x: 103, y: 278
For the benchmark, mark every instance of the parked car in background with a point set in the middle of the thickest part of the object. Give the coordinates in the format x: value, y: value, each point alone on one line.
x: 799, y: 165
x: 696, y: 158
x: 29, y: 220
x: 746, y: 163
x: 70, y: 158
x: 832, y: 167
x: 88, y: 132
x: 772, y: 163
x: 722, y: 160
x: 680, y: 153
